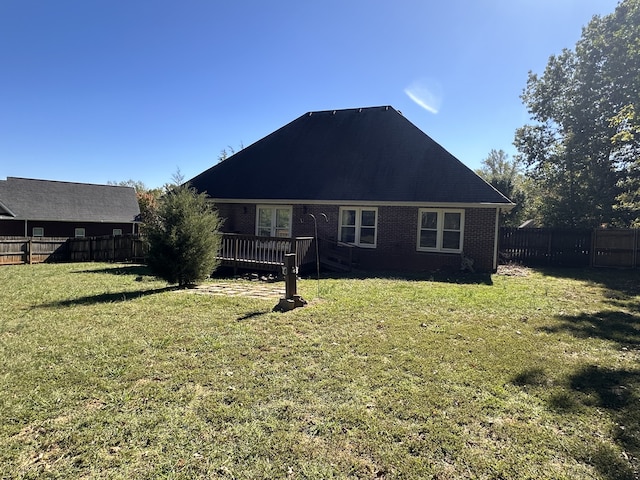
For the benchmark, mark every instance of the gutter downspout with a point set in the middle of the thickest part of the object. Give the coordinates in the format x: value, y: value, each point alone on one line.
x: 495, y: 240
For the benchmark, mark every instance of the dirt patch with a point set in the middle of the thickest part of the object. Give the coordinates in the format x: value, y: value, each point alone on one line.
x: 513, y: 270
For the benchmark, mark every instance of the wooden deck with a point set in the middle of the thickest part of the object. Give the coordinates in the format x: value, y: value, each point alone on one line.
x: 263, y: 253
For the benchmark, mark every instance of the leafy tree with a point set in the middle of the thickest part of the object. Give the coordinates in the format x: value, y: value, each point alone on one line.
x: 148, y: 200
x: 183, y: 236
x: 582, y: 148
x: 505, y: 175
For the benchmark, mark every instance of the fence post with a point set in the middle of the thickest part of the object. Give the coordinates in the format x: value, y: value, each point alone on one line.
x: 29, y: 250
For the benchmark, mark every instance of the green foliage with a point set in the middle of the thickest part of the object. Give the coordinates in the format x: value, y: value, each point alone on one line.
x: 148, y: 200
x: 506, y: 176
x: 582, y: 148
x: 183, y: 237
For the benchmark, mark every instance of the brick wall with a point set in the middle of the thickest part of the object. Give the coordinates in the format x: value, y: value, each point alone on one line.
x: 397, y: 235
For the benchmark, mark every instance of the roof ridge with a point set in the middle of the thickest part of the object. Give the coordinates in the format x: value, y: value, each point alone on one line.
x: 353, y: 109
x: 63, y: 181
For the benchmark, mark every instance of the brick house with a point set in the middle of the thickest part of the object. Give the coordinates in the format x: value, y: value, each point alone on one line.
x: 30, y: 207
x: 396, y: 198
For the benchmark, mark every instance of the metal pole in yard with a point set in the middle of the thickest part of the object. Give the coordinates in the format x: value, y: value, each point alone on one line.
x: 315, y: 236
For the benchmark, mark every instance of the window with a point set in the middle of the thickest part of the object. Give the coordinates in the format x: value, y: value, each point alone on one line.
x: 79, y: 232
x: 38, y: 232
x: 117, y: 232
x: 440, y: 230
x: 358, y: 226
x: 273, y: 221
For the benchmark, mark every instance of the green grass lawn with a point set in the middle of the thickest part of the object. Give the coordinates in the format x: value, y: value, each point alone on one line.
x: 107, y: 373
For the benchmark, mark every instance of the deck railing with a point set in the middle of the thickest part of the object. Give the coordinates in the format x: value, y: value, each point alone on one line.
x: 262, y: 253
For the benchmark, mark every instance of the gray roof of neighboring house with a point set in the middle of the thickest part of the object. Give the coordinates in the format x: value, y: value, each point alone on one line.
x: 29, y: 199
x: 364, y: 154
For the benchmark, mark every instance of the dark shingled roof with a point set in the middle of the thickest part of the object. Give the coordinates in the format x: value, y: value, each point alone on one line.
x: 29, y: 199
x: 364, y: 154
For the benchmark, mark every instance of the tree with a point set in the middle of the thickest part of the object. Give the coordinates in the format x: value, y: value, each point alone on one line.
x: 224, y: 154
x: 581, y: 149
x: 183, y: 236
x: 148, y: 199
x: 506, y: 176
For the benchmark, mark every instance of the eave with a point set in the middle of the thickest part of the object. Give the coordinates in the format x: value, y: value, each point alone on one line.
x: 357, y: 203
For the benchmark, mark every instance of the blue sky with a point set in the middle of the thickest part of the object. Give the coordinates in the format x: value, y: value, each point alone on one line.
x: 97, y: 91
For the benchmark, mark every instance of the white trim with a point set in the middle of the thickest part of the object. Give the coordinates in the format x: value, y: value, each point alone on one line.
x: 362, y: 203
x: 40, y: 230
x: 495, y: 240
x: 440, y: 230
x: 358, y: 225
x: 273, y: 209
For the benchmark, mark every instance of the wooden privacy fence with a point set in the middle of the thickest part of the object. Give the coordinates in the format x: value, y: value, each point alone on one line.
x: 616, y: 248
x: 121, y: 248
x: 570, y: 247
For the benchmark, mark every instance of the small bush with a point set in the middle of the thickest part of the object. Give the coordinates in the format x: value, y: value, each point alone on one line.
x: 183, y: 237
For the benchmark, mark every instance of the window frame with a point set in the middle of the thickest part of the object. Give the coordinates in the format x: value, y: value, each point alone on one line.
x: 440, y: 230
x: 358, y: 226
x: 40, y: 231
x: 274, y: 213
x: 116, y: 232
x: 79, y: 232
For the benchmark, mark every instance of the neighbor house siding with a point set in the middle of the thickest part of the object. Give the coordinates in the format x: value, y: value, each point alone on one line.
x: 62, y: 229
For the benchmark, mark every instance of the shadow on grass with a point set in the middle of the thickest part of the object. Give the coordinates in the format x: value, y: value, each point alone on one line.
x: 613, y: 390
x: 620, y: 327
x: 133, y: 270
x: 621, y: 284
x: 618, y: 392
x: 459, y: 278
x: 108, y: 297
x: 592, y: 388
x: 249, y: 315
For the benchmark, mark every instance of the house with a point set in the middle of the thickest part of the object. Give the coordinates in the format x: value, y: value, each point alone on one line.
x: 391, y: 194
x: 30, y: 207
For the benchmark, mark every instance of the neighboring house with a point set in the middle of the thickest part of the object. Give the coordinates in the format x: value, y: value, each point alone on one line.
x: 387, y: 189
x: 31, y: 207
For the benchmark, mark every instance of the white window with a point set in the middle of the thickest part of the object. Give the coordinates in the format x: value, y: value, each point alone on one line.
x: 38, y: 232
x: 117, y: 232
x: 79, y: 232
x: 440, y: 230
x: 273, y: 221
x: 358, y: 226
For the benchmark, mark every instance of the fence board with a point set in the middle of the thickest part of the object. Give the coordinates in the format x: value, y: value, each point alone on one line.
x: 571, y: 247
x: 616, y: 248
x: 16, y: 250
x: 546, y: 246
x: 13, y: 250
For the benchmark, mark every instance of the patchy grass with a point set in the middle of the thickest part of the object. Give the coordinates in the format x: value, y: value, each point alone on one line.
x: 107, y: 373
